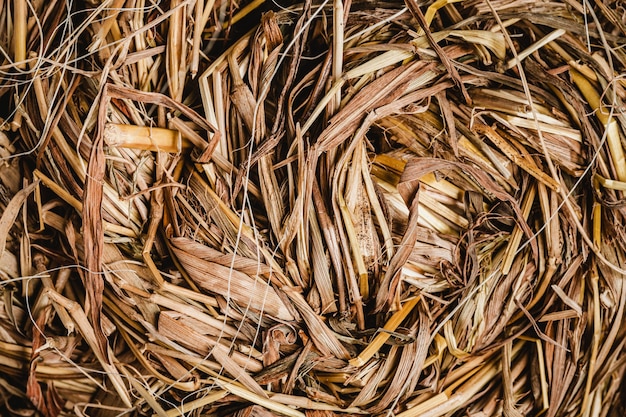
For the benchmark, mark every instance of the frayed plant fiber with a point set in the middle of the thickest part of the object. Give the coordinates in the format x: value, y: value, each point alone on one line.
x: 312, y: 209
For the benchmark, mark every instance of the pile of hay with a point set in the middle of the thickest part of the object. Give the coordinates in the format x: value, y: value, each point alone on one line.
x: 327, y: 208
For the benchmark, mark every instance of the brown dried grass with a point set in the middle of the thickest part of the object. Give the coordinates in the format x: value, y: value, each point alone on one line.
x: 212, y: 208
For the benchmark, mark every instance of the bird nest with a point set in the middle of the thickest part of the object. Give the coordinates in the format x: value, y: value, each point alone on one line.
x: 320, y: 209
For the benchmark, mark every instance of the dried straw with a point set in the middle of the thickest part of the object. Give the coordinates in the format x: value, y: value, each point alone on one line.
x: 320, y: 209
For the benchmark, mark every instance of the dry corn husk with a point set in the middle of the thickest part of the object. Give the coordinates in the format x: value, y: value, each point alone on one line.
x: 313, y: 209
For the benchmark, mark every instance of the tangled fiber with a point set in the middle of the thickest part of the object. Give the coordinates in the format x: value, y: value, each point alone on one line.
x: 312, y: 209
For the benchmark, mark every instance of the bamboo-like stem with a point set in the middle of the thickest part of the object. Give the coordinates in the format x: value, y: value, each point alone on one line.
x: 148, y: 138
x: 176, y: 48
x: 20, y: 16
x: 198, y: 27
x: 338, y: 40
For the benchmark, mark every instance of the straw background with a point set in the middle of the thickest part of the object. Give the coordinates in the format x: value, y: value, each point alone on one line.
x: 313, y: 209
